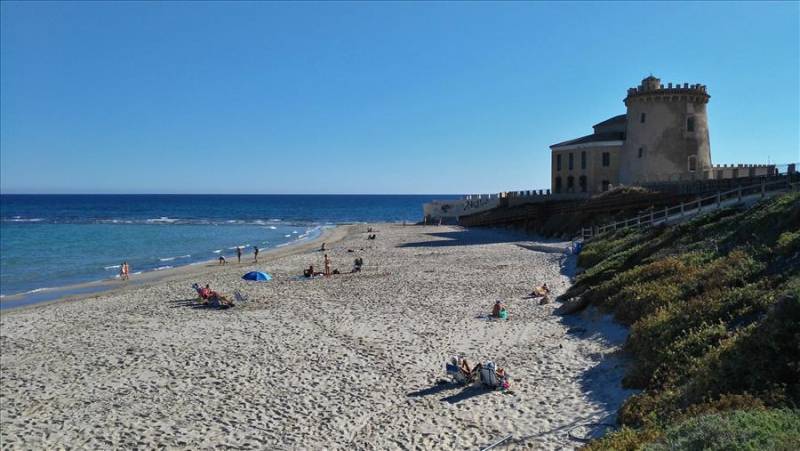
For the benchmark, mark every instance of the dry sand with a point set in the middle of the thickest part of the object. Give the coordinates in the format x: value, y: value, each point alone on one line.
x: 350, y: 361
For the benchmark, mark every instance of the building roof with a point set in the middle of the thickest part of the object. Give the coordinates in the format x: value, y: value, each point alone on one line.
x: 598, y: 139
x: 619, y: 119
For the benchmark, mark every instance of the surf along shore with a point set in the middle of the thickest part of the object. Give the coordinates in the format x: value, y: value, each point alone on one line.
x: 352, y: 360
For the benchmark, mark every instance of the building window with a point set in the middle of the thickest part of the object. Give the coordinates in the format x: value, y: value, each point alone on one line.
x: 583, y: 159
x: 558, y: 162
x: 641, y: 152
x: 570, y: 184
x: 571, y: 162
x: 606, y: 159
x: 642, y: 118
x: 692, y: 163
x: 719, y: 175
x: 558, y: 184
x: 582, y: 183
x: 606, y: 185
x: 690, y: 124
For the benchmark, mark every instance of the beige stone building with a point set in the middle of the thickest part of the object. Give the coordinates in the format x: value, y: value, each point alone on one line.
x: 662, y: 137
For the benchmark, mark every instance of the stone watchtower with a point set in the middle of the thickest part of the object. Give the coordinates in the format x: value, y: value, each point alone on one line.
x: 667, y: 134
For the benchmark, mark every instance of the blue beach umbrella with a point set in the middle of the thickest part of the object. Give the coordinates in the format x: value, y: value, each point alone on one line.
x: 258, y: 276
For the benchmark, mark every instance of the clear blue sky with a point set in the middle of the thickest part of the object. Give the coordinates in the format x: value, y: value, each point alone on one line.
x: 366, y: 97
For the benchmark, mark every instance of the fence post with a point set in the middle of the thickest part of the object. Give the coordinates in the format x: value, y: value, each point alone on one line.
x: 719, y: 199
x: 739, y: 193
x: 699, y: 205
x: 666, y: 214
x: 652, y: 214
x: 763, y: 187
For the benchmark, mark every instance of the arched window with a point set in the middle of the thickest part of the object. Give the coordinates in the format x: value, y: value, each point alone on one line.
x: 690, y: 124
x: 570, y: 184
x: 692, y: 163
x: 606, y: 185
x: 558, y: 184
x: 582, y: 183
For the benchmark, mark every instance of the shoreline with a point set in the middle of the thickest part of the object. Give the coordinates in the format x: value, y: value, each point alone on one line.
x: 103, y: 287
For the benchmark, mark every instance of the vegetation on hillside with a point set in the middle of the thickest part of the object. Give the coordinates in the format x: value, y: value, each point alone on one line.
x: 713, y: 307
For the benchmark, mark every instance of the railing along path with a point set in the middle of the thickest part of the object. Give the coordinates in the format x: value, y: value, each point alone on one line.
x: 692, y: 208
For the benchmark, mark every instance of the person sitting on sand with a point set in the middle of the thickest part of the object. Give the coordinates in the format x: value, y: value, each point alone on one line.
x: 357, y: 264
x: 499, y: 309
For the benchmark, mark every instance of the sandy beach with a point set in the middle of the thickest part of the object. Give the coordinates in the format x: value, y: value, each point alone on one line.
x: 350, y: 361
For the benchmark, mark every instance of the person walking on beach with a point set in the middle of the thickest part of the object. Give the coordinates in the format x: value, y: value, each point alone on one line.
x: 239, y: 253
x: 327, y: 265
x: 255, y: 254
x: 124, y: 271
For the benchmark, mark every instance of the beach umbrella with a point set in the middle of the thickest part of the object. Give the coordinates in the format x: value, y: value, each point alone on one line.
x: 258, y: 276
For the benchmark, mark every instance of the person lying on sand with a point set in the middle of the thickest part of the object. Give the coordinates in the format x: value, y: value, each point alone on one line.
x: 540, y: 291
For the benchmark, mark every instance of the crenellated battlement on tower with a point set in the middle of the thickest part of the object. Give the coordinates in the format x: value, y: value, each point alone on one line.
x: 651, y: 89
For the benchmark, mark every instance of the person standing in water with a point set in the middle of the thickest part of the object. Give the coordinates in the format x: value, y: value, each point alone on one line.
x: 124, y: 271
x: 255, y: 254
x: 327, y: 265
x: 239, y: 253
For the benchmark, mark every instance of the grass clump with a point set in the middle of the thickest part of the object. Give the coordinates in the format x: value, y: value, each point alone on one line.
x: 713, y: 307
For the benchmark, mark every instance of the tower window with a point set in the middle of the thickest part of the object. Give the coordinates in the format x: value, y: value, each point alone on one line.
x: 641, y: 152
x: 606, y: 185
x: 690, y: 124
x: 571, y: 162
x: 558, y: 162
x: 583, y: 159
x: 606, y: 159
x: 558, y: 185
x: 582, y: 183
x: 570, y: 184
x: 692, y: 163
x: 642, y: 118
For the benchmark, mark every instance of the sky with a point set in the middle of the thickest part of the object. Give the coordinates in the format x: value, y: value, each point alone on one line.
x: 338, y: 98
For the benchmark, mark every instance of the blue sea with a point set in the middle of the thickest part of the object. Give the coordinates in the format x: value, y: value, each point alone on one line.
x: 51, y: 241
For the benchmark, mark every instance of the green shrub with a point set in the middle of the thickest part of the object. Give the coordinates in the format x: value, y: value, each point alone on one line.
x: 738, y: 430
x: 713, y: 306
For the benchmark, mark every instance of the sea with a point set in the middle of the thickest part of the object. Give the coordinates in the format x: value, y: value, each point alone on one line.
x: 50, y: 241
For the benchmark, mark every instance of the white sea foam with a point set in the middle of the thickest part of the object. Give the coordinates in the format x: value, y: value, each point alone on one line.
x: 138, y: 272
x: 36, y: 290
x: 287, y: 236
x: 21, y: 219
x: 295, y: 232
x: 272, y: 227
x: 111, y: 267
x: 161, y: 268
x: 218, y: 251
x: 162, y: 220
x: 169, y: 259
